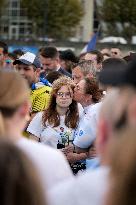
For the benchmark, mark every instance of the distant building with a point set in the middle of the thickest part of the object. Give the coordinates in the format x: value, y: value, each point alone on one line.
x: 89, y: 22
x: 14, y: 23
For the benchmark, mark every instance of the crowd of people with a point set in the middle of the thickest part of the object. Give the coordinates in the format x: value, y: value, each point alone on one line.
x: 67, y: 127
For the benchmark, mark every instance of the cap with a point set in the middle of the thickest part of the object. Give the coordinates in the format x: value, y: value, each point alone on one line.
x: 28, y: 59
x: 123, y: 76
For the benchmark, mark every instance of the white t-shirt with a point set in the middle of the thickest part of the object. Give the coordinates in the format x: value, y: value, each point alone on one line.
x: 88, y: 188
x: 86, y: 131
x: 94, y: 111
x: 51, y: 165
x: 80, y: 110
x: 50, y: 135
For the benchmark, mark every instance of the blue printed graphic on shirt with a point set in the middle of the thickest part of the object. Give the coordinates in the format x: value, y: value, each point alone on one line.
x: 81, y: 133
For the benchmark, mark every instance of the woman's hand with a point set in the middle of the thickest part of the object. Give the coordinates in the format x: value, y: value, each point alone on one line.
x: 74, y: 157
x: 68, y: 149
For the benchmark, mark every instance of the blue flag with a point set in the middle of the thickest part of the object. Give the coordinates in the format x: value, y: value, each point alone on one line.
x: 91, y: 44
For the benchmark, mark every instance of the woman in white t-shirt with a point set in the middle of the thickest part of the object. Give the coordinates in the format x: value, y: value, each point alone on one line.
x: 56, y: 125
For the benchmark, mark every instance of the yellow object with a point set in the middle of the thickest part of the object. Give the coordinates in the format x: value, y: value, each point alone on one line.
x: 40, y: 98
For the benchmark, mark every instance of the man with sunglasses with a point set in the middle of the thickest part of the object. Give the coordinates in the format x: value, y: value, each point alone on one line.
x: 116, y: 53
x: 83, y: 69
x: 96, y: 57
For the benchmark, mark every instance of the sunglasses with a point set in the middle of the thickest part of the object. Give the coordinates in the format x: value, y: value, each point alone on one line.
x: 114, y: 53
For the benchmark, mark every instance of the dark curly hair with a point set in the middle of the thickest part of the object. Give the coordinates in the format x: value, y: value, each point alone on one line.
x: 92, y: 88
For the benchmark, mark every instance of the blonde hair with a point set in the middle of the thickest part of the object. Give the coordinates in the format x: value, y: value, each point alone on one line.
x: 13, y: 92
x: 87, y: 67
x: 61, y: 81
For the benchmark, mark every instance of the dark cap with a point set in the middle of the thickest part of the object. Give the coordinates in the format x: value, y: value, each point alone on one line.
x: 28, y: 59
x: 123, y: 76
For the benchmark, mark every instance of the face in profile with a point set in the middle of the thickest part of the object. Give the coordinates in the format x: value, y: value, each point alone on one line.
x: 48, y: 64
x: 93, y: 58
x: 79, y: 91
x: 28, y: 72
x: 64, y: 97
x: 77, y: 75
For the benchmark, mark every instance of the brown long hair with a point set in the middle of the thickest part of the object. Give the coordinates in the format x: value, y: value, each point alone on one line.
x: 19, y: 181
x: 92, y: 88
x: 51, y: 114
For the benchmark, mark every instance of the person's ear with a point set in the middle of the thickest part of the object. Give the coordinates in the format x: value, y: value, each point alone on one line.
x: 38, y: 71
x: 57, y: 60
x: 24, y: 109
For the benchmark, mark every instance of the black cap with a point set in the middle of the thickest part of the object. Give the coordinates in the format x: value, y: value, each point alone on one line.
x: 114, y: 72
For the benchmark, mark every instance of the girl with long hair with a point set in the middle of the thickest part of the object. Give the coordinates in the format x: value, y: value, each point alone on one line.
x: 56, y: 125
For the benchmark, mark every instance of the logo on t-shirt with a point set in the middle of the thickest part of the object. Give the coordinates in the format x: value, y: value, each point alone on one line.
x: 81, y: 132
x: 66, y: 136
